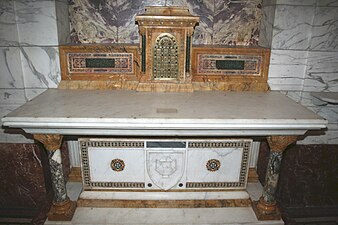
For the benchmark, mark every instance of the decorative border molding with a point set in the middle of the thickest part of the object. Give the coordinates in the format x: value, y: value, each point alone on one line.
x: 232, y: 69
x: 86, y: 179
x: 246, y: 145
x: 88, y: 184
x: 207, y: 64
x: 73, y: 62
x: 123, y: 63
x: 118, y: 184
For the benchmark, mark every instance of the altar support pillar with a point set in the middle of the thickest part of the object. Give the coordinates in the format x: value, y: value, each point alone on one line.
x: 266, y: 208
x: 62, y: 209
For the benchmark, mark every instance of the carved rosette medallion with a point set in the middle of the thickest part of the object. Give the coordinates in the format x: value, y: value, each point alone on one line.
x: 117, y: 165
x: 213, y: 165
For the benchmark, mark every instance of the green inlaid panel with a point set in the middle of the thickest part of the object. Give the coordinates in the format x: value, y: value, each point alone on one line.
x: 100, y: 63
x: 230, y: 64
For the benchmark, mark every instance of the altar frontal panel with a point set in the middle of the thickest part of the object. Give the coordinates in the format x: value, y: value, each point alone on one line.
x: 163, y: 165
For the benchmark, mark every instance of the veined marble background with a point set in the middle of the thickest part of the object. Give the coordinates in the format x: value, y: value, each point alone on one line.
x: 30, y: 33
x: 304, y: 57
x: 302, y: 35
x: 222, y: 22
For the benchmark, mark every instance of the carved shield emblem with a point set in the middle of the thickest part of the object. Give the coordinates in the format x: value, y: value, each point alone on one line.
x: 165, y: 168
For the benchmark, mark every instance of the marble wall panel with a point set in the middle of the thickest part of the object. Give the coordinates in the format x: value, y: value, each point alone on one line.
x: 8, y: 30
x: 282, y: 84
x: 36, y: 22
x: 329, y: 136
x: 41, y: 67
x: 32, y: 93
x: 322, y: 72
x: 268, y: 2
x: 292, y: 27
x: 226, y: 22
x: 62, y: 15
x: 327, y: 2
x: 287, y: 69
x: 6, y: 108
x: 101, y: 21
x: 288, y: 57
x: 309, y: 101
x: 325, y: 29
x: 294, y: 95
x: 222, y: 22
x: 333, y: 134
x: 328, y: 112
x: 266, y: 27
x: 236, y: 23
x: 12, y: 96
x: 11, y: 72
x: 296, y: 2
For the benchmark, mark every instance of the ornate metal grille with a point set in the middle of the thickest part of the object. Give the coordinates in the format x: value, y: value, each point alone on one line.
x: 165, y: 58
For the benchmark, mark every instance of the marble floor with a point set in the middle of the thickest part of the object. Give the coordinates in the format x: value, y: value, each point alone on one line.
x: 107, y: 216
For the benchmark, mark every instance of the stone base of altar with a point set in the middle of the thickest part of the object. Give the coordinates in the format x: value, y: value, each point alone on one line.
x: 224, y: 216
x: 164, y: 199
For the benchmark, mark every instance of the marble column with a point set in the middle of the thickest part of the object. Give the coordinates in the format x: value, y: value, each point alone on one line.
x: 266, y: 207
x: 62, y: 209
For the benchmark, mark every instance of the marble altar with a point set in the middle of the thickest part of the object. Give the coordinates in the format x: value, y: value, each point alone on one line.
x: 124, y: 134
x: 120, y: 113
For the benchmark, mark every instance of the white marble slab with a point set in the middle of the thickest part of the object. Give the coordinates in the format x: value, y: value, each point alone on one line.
x: 7, y: 108
x: 328, y: 112
x: 100, y: 164
x: 324, y: 29
x: 287, y: 70
x: 220, y: 216
x: 10, y: 69
x: 32, y: 93
x: 8, y: 29
x: 292, y: 27
x: 296, y: 2
x: 230, y: 165
x: 321, y: 73
x: 12, y: 96
x: 136, y: 113
x: 294, y: 95
x: 165, y: 168
x: 327, y: 3
x: 329, y: 97
x: 134, y: 195
x: 268, y: 2
x: 36, y: 22
x: 41, y: 67
x: 225, y: 216
x: 63, y: 26
x: 266, y: 28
